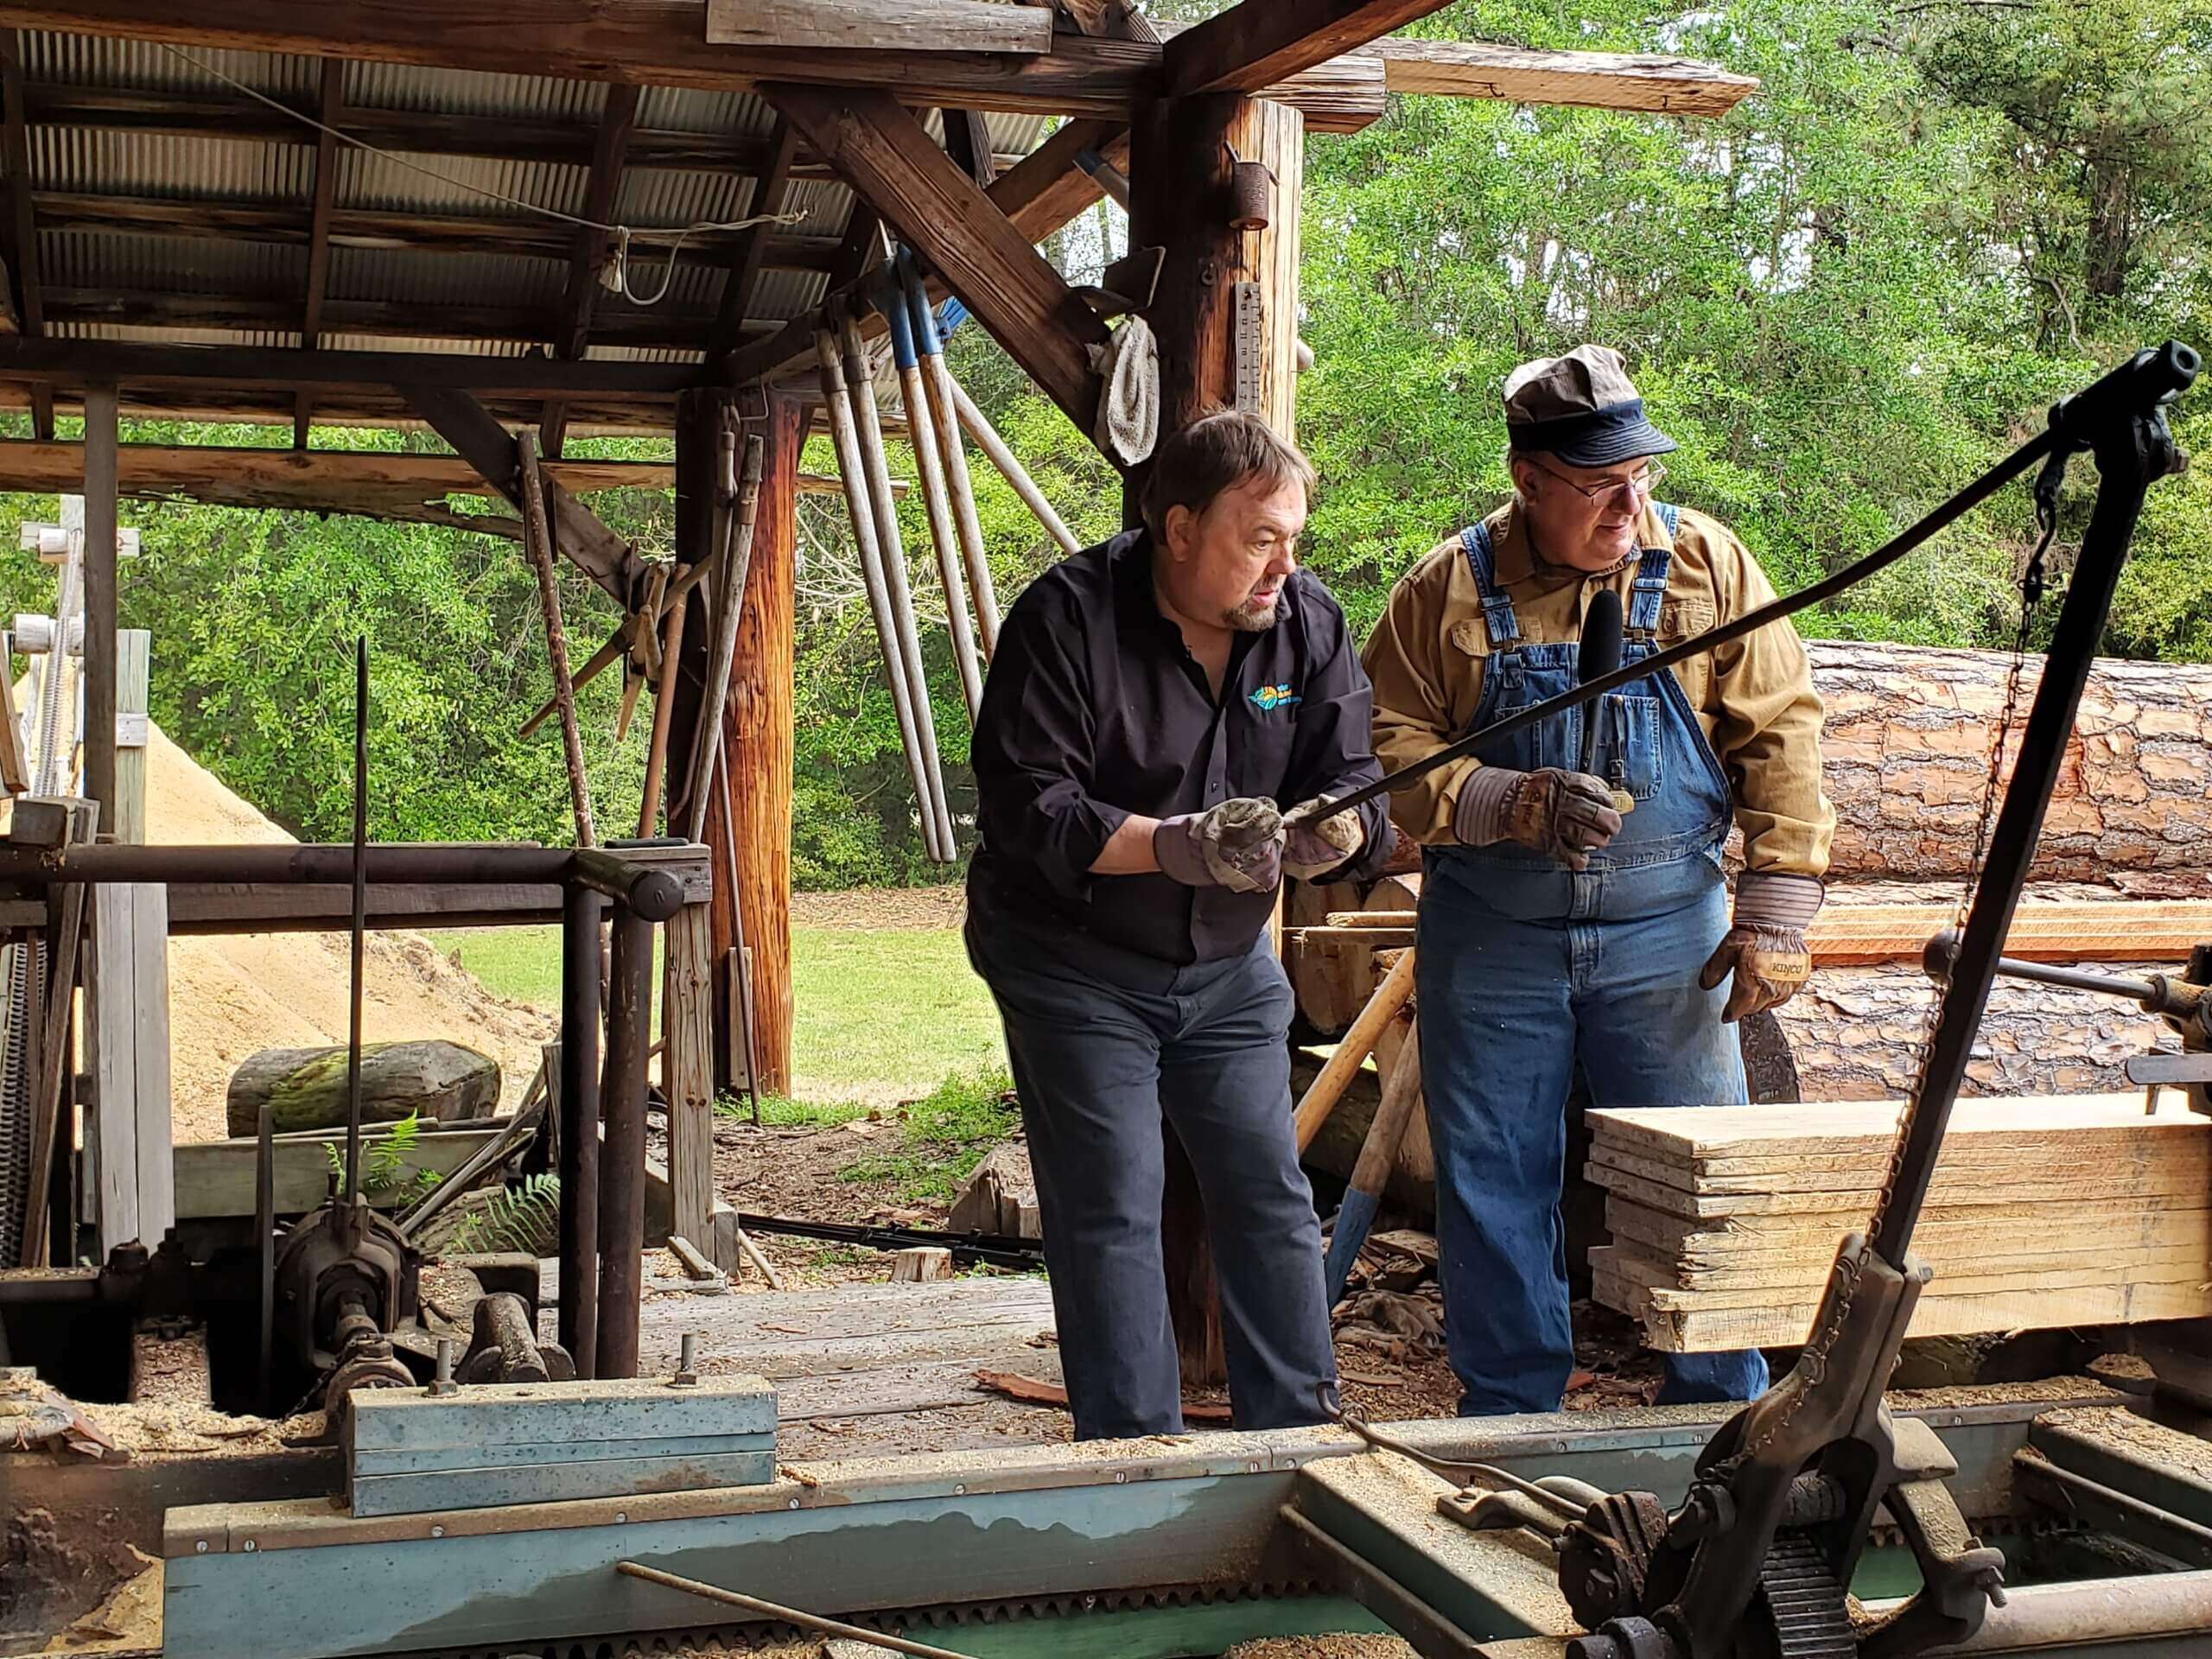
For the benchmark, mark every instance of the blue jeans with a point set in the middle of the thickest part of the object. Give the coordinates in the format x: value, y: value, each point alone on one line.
x: 1107, y: 1043
x: 1509, y: 1005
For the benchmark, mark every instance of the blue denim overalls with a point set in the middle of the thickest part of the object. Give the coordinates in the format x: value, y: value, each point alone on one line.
x: 1526, y: 968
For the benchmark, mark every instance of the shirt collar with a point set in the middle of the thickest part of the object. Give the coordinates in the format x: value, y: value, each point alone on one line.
x: 1517, y: 560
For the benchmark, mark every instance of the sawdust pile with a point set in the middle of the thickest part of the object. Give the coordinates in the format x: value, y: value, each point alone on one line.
x: 232, y: 995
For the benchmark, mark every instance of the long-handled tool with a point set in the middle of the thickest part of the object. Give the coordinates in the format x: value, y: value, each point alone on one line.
x: 861, y: 389
x: 1326, y: 1090
x: 1009, y: 464
x: 1364, y: 1197
x: 944, y: 419
x: 852, y: 472
x: 729, y: 610
x: 537, y: 537
x: 929, y: 469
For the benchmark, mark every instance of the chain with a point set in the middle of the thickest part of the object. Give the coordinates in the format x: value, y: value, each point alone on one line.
x: 1811, y: 1364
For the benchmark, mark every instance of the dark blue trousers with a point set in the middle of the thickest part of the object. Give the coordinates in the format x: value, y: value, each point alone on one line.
x: 1106, y: 1044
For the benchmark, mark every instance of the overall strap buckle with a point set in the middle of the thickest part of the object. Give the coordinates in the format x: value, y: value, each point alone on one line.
x: 1497, y: 610
x: 1646, y: 594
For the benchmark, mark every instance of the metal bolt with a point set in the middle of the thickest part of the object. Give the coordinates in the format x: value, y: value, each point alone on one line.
x: 687, y: 1362
x: 199, y: 1545
x: 622, y: 1515
x: 248, y: 1546
x: 794, y: 1503
x: 960, y: 1492
x: 437, y: 1532
x: 443, y: 1382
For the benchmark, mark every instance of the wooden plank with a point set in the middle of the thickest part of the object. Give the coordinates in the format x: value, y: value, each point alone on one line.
x: 882, y: 152
x: 329, y: 105
x: 84, y: 362
x: 885, y: 25
x: 1660, y: 1269
x: 769, y: 190
x: 618, y: 116
x: 1854, y: 1126
x: 215, y: 1178
x: 1661, y: 1293
x: 2187, y: 1184
x: 1955, y: 1232
x: 516, y: 1413
x: 1599, y: 80
x: 111, y: 1135
x: 687, y: 1071
x: 608, y: 559
x: 1246, y: 49
x: 133, y: 683
x: 2167, y: 1168
x: 968, y: 141
x: 99, y: 562
x: 151, y: 1059
x: 22, y: 241
x: 2131, y: 931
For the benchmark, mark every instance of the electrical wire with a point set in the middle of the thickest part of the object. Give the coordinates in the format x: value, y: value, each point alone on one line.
x: 624, y: 235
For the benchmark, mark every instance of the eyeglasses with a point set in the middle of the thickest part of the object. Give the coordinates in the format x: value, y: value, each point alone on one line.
x: 1645, y: 480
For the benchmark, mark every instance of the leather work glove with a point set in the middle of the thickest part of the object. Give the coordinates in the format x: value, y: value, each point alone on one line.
x: 1765, y: 946
x: 1565, y: 815
x: 1236, y: 845
x: 1317, y: 846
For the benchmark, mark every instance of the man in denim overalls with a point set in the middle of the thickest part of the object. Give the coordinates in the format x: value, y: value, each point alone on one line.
x: 1573, y: 911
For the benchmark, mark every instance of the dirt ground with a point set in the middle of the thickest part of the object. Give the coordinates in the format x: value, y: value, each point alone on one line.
x: 874, y: 909
x: 232, y: 995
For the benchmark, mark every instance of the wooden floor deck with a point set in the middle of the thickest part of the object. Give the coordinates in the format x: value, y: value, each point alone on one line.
x: 869, y: 1370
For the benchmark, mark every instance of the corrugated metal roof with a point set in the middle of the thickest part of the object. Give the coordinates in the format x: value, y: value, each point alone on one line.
x: 147, y: 166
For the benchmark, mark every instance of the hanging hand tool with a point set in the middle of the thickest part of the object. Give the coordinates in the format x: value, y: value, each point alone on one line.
x: 537, y: 537
x: 944, y: 419
x: 729, y: 611
x: 1785, y: 1497
x: 1322, y: 1095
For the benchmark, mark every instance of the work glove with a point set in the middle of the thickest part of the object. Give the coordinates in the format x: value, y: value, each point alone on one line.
x: 1564, y: 815
x: 1765, y: 946
x: 1236, y: 845
x: 1315, y: 846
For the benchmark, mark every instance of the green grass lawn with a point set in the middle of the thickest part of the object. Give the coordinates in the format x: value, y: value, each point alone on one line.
x: 877, y: 1016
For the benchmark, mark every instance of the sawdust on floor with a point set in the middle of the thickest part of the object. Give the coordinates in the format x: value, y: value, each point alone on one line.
x: 232, y: 995
x: 1322, y: 1647
x: 873, y: 909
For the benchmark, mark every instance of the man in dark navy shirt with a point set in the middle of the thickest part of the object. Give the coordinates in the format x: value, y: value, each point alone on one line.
x: 1156, y: 702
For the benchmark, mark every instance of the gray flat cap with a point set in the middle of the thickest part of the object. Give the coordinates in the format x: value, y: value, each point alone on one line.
x: 1582, y: 408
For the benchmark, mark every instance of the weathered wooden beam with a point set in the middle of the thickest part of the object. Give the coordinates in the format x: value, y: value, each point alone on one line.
x: 15, y: 157
x: 361, y: 406
x: 647, y: 42
x: 768, y: 193
x: 581, y: 295
x: 217, y: 113
x: 226, y: 218
x: 1249, y: 48
x: 489, y: 447
x: 100, y: 524
x: 1601, y: 80
x: 81, y: 362
x: 328, y: 105
x: 968, y: 141
x: 612, y: 324
x: 658, y: 42
x: 884, y: 155
x: 891, y: 25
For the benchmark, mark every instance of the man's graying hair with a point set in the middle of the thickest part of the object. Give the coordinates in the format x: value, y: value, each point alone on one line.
x: 1217, y: 452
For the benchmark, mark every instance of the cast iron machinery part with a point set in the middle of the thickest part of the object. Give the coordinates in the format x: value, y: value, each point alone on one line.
x: 504, y: 1348
x: 1605, y: 1556
x: 345, y: 1273
x: 1826, y: 1417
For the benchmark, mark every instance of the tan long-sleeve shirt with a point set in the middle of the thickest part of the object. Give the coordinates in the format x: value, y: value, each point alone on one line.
x: 1754, y: 697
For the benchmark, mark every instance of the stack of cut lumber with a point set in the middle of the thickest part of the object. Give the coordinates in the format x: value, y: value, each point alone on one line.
x: 2072, y: 1209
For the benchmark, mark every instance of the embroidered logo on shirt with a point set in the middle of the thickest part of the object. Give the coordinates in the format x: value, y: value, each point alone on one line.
x: 1268, y: 698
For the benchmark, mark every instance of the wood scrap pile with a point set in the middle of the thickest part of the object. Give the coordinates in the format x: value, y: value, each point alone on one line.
x: 2071, y: 1211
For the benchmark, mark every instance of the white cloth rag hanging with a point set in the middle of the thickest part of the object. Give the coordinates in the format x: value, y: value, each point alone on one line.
x: 1128, y: 403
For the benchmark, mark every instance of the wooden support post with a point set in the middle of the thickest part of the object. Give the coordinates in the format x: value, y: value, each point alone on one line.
x: 1180, y: 163
x: 687, y: 1070
x: 130, y: 1138
x: 751, y: 836
x: 99, y: 598
x: 134, y: 649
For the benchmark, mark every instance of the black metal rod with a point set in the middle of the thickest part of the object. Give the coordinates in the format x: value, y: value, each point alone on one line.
x: 653, y: 893
x: 622, y: 1176
x: 2132, y: 448
x: 579, y: 1087
x: 360, y: 928
x: 1751, y: 622
x: 1935, y: 960
x: 332, y: 865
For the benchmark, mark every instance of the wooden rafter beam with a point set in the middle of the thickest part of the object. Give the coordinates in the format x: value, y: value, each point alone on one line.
x: 1249, y: 48
x: 738, y: 288
x: 83, y: 362
x: 903, y: 25
x: 328, y: 105
x: 217, y: 113
x: 968, y: 141
x: 15, y: 157
x: 310, y: 479
x: 228, y: 219
x: 647, y: 42
x: 488, y: 446
x: 655, y: 326
x: 1602, y: 81
x: 1038, y: 195
x: 616, y: 119
x: 891, y: 164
